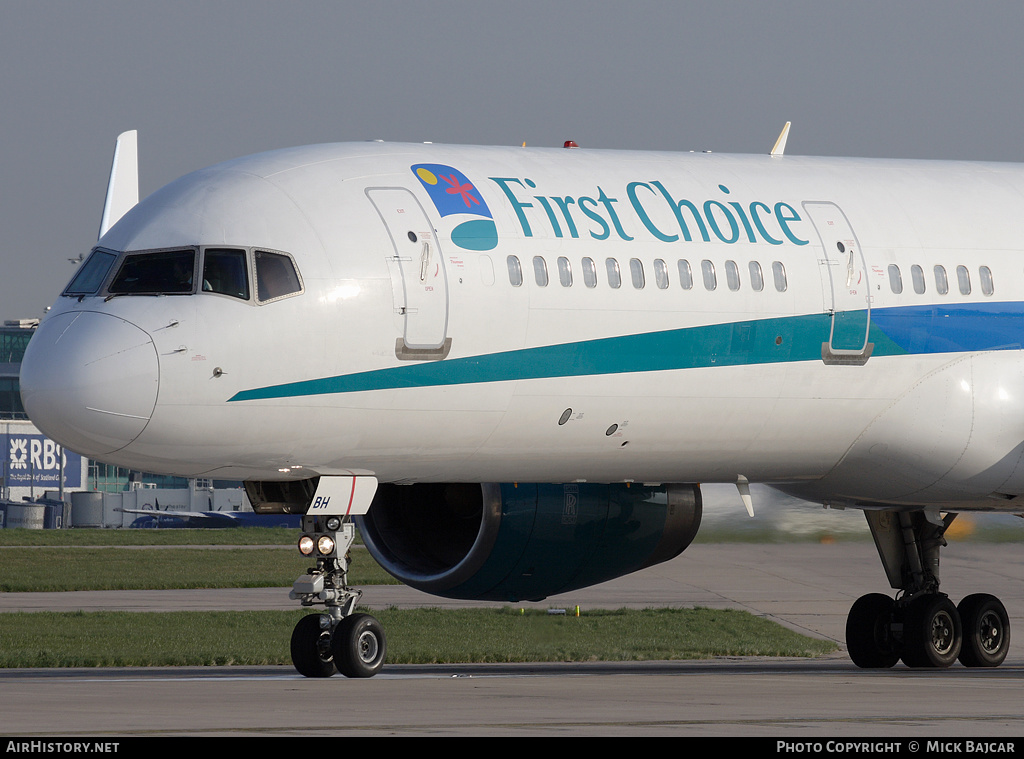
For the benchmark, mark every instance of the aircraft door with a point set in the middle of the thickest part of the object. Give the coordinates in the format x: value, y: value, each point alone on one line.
x: 418, y: 273
x: 847, y: 294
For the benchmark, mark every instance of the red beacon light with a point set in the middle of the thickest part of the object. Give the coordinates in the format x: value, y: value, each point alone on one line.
x: 570, y: 144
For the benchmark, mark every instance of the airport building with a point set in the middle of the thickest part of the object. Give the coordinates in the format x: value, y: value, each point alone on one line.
x: 46, y: 486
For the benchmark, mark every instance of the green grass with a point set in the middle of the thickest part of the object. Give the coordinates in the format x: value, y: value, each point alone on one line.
x: 62, y: 560
x: 138, y: 639
x: 117, y: 568
x: 234, y: 536
x: 512, y: 635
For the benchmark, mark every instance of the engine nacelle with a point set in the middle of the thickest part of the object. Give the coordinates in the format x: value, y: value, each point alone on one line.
x: 519, y: 542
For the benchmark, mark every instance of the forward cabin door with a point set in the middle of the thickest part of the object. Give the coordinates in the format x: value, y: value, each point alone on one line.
x: 418, y: 271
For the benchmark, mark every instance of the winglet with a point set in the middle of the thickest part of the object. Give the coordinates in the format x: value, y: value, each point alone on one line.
x: 780, y: 144
x: 123, y: 185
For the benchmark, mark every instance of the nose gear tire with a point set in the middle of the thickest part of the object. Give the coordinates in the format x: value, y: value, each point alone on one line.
x: 311, y: 647
x: 358, y: 646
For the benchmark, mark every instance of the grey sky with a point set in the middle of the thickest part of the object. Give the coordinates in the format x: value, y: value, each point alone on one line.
x: 209, y: 81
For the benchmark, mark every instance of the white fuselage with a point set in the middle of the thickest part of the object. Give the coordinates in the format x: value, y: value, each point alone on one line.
x: 413, y: 352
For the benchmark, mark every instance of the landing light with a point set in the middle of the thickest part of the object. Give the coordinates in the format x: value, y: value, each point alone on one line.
x: 321, y: 545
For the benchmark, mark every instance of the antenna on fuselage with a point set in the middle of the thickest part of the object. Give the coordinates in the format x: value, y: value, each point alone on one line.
x: 780, y: 144
x: 743, y: 486
x: 123, y: 185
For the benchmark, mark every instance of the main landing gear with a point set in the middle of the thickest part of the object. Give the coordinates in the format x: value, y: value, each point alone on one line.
x: 922, y: 626
x: 339, y: 639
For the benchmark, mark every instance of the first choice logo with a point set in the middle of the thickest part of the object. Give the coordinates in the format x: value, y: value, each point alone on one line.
x: 661, y: 214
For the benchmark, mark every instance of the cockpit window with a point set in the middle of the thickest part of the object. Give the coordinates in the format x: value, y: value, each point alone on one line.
x: 92, y: 273
x: 167, y: 272
x: 275, y: 276
x: 225, y: 272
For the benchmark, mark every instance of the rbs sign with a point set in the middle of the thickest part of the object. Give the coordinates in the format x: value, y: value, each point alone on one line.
x: 34, y: 460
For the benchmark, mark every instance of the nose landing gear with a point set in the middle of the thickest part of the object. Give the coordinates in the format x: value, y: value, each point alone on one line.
x: 339, y: 639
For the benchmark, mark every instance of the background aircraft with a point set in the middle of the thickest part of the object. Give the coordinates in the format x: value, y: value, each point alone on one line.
x: 154, y: 518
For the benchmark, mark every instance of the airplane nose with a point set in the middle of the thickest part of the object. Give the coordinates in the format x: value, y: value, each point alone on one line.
x: 90, y: 381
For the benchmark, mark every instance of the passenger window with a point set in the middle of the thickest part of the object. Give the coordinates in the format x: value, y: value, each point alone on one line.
x: 756, y: 277
x: 941, y: 282
x: 779, y: 274
x: 90, y: 276
x: 710, y: 278
x: 515, y: 271
x: 636, y: 271
x: 564, y: 271
x: 612, y: 267
x: 986, y: 280
x: 732, y: 275
x: 685, y: 275
x: 660, y: 274
x: 540, y: 271
x: 169, y: 272
x: 895, y: 279
x: 963, y: 278
x: 589, y: 272
x: 225, y: 272
x: 917, y: 276
x: 275, y: 276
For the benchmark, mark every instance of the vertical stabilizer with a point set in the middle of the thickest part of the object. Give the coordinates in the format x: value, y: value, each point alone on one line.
x: 123, y: 185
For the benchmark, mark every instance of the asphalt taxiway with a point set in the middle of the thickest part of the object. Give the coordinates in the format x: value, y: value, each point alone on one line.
x: 808, y: 587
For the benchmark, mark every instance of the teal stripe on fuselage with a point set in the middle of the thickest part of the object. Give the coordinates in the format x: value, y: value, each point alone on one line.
x: 894, y: 331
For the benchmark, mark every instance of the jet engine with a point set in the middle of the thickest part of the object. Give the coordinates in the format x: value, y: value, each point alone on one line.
x: 524, y: 542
